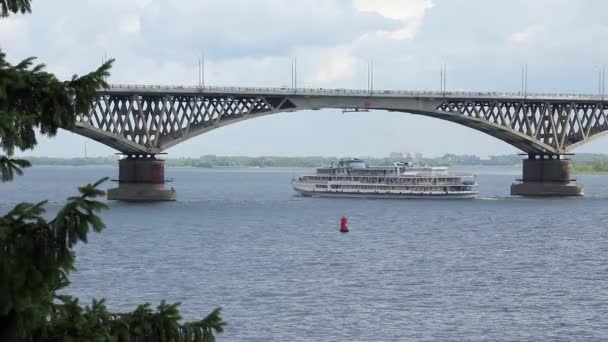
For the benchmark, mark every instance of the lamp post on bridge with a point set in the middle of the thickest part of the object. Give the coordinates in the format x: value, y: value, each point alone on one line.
x: 443, y: 77
x: 370, y: 77
x: 524, y: 81
x: 601, y: 81
x: 294, y: 75
x: 104, y: 59
x: 201, y: 71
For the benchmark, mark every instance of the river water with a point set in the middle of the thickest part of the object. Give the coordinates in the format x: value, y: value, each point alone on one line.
x: 496, y: 268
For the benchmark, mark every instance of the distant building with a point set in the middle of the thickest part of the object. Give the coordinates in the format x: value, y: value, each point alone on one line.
x: 396, y: 155
x: 406, y: 155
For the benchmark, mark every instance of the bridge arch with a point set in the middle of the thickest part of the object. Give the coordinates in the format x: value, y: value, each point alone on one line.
x: 151, y: 121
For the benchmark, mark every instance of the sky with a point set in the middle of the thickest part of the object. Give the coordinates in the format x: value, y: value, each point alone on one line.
x: 252, y: 43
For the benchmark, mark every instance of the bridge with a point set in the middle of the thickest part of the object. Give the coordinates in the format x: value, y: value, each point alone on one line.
x: 141, y: 121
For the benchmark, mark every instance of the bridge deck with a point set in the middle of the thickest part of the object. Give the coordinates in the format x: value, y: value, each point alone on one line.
x: 256, y: 91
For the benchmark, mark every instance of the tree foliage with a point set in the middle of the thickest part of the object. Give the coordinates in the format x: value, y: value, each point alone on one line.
x: 37, y: 254
x: 14, y: 6
x: 596, y: 166
x: 31, y: 98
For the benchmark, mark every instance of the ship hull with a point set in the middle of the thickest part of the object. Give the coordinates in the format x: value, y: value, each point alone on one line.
x: 341, y: 194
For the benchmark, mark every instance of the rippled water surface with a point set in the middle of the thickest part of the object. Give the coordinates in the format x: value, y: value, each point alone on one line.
x: 495, y: 268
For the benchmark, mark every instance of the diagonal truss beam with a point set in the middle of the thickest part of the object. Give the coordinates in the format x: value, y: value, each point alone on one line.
x: 550, y: 127
x: 151, y: 123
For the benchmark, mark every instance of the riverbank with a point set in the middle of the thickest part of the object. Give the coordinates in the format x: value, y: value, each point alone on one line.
x: 582, y: 163
x: 595, y: 167
x: 211, y: 161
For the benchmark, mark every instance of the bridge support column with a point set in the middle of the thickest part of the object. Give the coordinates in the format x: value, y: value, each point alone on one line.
x: 545, y: 176
x: 141, y: 179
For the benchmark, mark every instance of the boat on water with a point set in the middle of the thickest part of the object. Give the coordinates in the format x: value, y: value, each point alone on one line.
x: 353, y: 178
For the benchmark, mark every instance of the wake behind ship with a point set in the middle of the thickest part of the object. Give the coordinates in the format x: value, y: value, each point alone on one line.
x: 353, y: 178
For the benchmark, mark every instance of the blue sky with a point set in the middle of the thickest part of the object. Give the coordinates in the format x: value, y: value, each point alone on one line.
x: 483, y: 43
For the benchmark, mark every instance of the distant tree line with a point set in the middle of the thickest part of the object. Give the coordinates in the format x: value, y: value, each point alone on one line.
x: 210, y: 161
x: 268, y: 161
x: 73, y: 161
x: 597, y: 166
x: 588, y: 162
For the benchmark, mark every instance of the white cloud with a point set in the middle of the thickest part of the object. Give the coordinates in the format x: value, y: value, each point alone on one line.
x: 336, y: 64
x: 530, y: 34
x: 13, y: 32
x: 143, y: 3
x: 409, y: 11
x: 130, y: 24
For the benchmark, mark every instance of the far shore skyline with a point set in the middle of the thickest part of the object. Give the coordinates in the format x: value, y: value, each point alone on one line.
x: 387, y: 156
x: 169, y: 156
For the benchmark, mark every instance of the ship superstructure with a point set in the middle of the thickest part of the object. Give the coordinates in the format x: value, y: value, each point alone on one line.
x: 353, y: 178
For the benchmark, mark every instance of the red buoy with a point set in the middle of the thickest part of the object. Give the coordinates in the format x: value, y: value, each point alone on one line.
x: 344, y: 225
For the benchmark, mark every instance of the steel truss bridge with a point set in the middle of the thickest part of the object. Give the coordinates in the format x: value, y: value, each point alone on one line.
x: 139, y: 120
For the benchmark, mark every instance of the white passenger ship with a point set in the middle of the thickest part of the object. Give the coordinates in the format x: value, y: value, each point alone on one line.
x: 352, y: 178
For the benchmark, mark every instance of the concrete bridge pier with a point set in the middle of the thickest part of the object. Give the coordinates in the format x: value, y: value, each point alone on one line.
x: 141, y: 178
x: 546, y: 176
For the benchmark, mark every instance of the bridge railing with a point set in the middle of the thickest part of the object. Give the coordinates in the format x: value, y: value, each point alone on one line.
x: 338, y: 92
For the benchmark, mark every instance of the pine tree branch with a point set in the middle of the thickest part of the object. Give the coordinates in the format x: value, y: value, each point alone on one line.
x: 11, y: 167
x: 78, y: 217
x: 32, y: 98
x: 14, y: 6
x: 68, y: 320
x: 36, y: 256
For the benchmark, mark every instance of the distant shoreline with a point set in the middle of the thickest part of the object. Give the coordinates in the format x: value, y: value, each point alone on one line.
x: 582, y: 163
x: 282, y: 162
x: 218, y: 168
